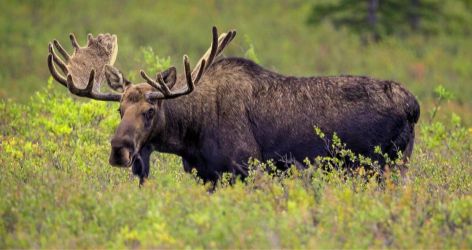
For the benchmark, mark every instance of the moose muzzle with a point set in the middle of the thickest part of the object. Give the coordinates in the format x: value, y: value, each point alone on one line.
x: 121, y: 152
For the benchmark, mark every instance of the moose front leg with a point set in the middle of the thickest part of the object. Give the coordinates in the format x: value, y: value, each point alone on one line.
x: 187, y: 165
x: 140, y: 166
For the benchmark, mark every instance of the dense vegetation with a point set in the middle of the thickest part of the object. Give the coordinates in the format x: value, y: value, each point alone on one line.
x: 58, y: 190
x: 374, y: 19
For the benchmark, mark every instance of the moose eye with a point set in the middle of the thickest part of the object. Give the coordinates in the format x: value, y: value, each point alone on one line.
x: 149, y: 114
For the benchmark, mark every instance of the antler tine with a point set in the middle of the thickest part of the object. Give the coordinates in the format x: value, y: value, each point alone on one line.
x: 159, y: 86
x: 57, y: 59
x: 160, y: 79
x: 88, y: 90
x: 217, y: 46
x: 226, y: 40
x: 61, y: 50
x: 81, y: 92
x: 188, y: 75
x: 58, y: 77
x: 214, y: 46
x: 200, y: 72
x: 163, y: 90
x: 74, y: 42
x: 163, y: 85
x: 210, y: 54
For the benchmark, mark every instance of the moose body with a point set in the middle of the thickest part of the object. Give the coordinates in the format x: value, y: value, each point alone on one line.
x: 241, y: 110
x: 225, y: 112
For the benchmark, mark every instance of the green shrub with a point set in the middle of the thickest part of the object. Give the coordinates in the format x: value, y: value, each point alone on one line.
x: 58, y: 191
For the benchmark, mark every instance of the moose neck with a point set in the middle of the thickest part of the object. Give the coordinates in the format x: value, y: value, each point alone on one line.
x: 180, y: 130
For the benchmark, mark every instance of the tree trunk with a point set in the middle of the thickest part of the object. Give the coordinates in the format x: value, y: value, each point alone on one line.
x: 415, y: 15
x: 372, y: 17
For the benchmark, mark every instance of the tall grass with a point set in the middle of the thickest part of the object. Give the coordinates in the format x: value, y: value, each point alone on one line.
x: 58, y: 191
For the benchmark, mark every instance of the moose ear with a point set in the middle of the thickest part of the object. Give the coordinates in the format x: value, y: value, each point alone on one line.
x: 170, y: 77
x: 115, y: 78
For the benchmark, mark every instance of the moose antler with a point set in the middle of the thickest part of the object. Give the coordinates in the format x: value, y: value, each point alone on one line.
x: 163, y: 90
x: 85, y: 66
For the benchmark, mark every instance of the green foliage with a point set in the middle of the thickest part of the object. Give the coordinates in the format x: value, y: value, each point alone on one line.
x: 442, y: 94
x: 250, y: 52
x: 153, y: 62
x: 379, y: 19
x: 58, y: 191
x: 435, y: 132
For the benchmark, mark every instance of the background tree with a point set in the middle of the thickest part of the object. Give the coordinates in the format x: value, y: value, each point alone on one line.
x: 374, y: 19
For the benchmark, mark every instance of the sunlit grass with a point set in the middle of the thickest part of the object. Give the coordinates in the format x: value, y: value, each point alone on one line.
x: 58, y: 191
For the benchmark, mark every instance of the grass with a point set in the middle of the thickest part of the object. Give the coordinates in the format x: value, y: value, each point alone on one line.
x: 58, y: 190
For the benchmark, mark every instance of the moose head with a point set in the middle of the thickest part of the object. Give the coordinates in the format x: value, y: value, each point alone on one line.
x: 142, y: 116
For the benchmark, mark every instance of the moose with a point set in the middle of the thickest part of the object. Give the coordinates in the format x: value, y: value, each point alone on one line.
x: 226, y: 111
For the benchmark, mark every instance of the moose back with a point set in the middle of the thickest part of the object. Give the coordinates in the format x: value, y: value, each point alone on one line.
x: 226, y: 111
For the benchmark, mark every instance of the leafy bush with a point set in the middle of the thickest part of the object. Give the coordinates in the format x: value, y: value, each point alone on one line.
x: 58, y: 191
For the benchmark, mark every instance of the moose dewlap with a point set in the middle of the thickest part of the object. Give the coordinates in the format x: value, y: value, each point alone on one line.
x: 225, y: 111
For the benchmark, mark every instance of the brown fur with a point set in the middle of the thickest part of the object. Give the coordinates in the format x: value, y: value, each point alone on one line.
x: 237, y: 110
x: 240, y: 110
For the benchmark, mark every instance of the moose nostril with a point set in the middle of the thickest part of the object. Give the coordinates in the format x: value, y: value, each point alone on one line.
x: 119, y: 156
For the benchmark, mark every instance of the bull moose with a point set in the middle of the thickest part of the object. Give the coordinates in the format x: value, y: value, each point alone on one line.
x: 225, y: 111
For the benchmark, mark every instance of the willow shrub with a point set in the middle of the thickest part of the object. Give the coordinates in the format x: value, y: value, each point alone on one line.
x: 58, y: 191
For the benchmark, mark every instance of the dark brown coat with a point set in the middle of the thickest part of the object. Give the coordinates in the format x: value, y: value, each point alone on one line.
x: 241, y: 110
x: 225, y: 112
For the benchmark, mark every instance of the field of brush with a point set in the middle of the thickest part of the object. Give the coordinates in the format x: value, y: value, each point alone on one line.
x: 58, y: 191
